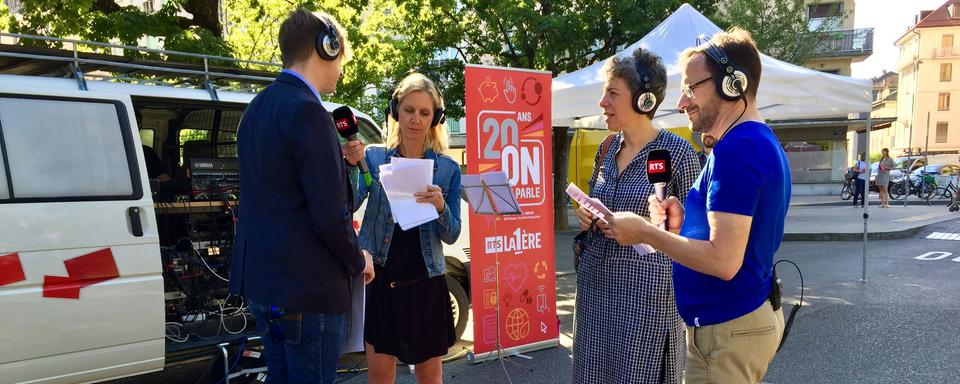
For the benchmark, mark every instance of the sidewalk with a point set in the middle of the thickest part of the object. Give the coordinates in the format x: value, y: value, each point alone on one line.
x: 873, y: 199
x: 827, y: 218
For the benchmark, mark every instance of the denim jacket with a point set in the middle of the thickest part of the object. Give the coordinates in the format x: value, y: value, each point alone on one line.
x: 376, y: 230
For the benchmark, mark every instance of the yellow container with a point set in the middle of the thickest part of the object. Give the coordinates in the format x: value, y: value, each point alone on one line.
x: 583, y: 151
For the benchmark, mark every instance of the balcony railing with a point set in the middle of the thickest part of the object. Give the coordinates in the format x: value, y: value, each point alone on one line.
x: 905, y: 61
x: 945, y: 52
x: 846, y: 42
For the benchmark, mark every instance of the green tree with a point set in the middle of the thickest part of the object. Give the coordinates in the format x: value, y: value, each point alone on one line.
x: 251, y: 28
x: 5, y: 17
x: 380, y: 55
x: 779, y: 27
x: 558, y: 36
x: 105, y: 20
x: 246, y: 29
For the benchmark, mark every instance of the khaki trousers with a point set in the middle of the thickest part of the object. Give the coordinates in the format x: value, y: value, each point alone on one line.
x: 737, y: 351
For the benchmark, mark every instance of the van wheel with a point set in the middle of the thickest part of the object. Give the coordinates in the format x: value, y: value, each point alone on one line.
x: 459, y: 304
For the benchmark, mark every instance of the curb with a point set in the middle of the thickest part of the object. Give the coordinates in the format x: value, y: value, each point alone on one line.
x: 843, y: 236
x: 889, y: 235
x: 872, y: 203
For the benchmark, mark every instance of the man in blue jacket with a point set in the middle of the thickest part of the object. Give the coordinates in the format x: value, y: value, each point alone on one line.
x: 296, y: 250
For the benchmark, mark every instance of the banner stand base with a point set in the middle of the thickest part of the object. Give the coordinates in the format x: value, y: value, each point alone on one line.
x: 513, y: 351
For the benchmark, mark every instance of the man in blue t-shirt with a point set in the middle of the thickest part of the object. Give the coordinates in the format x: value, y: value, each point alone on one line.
x: 732, y: 223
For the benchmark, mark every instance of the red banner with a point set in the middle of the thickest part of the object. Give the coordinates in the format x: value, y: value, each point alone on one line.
x: 508, y: 129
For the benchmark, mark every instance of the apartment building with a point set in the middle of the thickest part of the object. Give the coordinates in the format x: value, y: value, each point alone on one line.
x: 839, y: 44
x: 819, y: 150
x: 928, y: 114
x: 884, y: 110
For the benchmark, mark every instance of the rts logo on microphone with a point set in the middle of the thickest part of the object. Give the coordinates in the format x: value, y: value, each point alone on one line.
x: 342, y: 124
x: 656, y: 166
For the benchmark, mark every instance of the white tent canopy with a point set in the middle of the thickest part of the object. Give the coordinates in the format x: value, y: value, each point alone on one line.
x: 786, y: 91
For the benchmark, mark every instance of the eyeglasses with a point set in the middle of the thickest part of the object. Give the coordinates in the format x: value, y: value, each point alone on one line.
x: 688, y: 89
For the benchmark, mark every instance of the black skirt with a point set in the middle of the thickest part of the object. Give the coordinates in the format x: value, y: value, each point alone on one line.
x: 412, y: 320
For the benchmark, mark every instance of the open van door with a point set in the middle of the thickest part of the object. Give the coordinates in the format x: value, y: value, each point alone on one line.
x: 81, y: 291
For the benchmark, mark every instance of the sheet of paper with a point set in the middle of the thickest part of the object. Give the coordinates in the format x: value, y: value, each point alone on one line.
x: 591, y: 204
x: 353, y: 325
x: 597, y: 208
x: 643, y: 249
x: 400, y: 180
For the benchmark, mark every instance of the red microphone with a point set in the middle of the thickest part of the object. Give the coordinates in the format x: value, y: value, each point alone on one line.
x: 658, y: 174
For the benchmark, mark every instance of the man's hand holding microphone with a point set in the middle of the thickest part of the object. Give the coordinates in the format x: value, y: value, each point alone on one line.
x: 668, y: 211
x: 353, y: 152
x: 629, y: 228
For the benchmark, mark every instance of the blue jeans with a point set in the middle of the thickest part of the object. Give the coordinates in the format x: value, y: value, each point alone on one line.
x: 858, y: 191
x: 300, y: 347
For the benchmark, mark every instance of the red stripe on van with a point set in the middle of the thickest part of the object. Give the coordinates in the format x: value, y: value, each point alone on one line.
x: 82, y: 271
x: 11, y: 271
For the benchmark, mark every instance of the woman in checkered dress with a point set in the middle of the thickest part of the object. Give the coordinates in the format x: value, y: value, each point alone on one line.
x: 626, y: 327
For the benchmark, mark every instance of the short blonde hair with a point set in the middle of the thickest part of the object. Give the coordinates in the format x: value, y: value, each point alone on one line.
x: 298, y: 33
x: 437, y: 136
x: 739, y: 47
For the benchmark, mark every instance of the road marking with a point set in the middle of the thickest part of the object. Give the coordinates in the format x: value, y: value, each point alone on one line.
x: 933, y: 256
x: 944, y: 236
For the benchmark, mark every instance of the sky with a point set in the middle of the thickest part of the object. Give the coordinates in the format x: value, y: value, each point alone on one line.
x: 889, y: 19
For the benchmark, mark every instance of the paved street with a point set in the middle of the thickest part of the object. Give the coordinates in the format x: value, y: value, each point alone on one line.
x: 897, y: 327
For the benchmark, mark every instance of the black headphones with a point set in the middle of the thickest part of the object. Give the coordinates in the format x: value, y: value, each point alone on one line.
x: 731, y: 80
x: 644, y: 100
x: 439, y: 114
x: 328, y: 42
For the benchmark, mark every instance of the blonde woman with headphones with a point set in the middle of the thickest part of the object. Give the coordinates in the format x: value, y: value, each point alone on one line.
x: 408, y: 314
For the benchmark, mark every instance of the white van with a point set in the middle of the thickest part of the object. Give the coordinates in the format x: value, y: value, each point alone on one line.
x: 105, y: 273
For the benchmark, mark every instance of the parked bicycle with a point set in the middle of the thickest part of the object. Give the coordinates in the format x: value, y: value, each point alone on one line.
x: 922, y: 189
x: 846, y: 192
x: 948, y: 193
